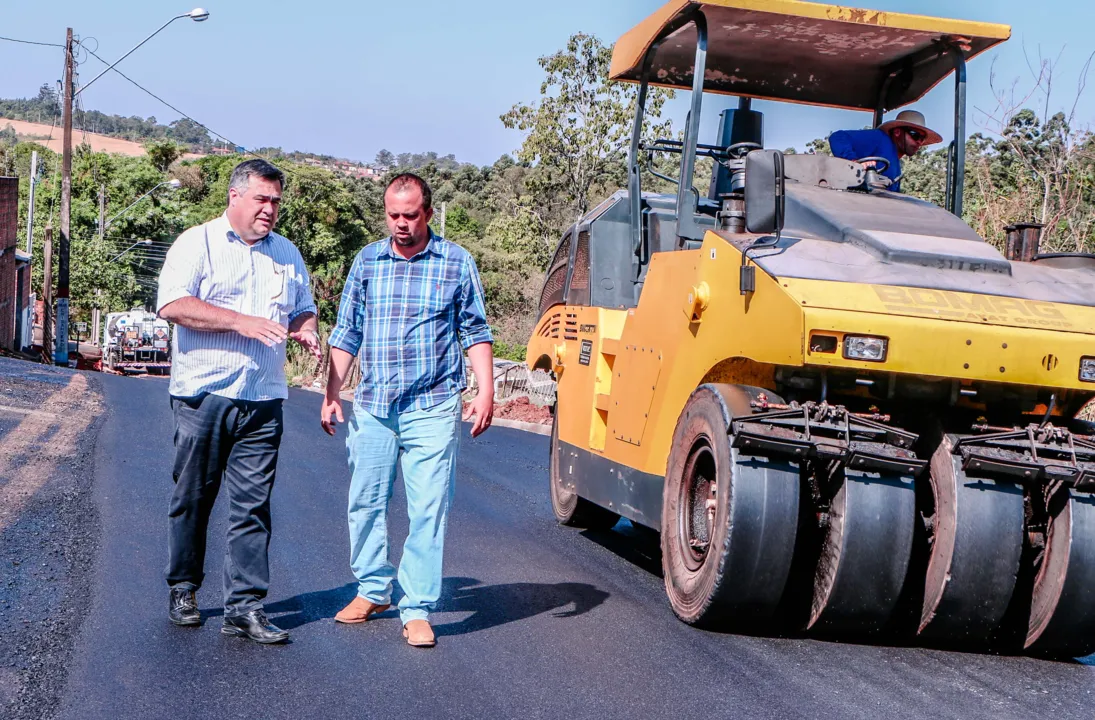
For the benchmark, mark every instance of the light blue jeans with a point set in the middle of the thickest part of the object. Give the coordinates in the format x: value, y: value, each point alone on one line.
x: 428, y: 441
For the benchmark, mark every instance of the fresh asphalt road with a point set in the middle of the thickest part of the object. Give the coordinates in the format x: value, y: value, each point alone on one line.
x: 537, y: 620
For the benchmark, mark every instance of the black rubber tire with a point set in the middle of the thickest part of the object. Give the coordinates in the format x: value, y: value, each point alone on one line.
x: 1062, y: 617
x: 740, y: 575
x: 570, y: 509
x: 975, y: 553
x: 864, y: 554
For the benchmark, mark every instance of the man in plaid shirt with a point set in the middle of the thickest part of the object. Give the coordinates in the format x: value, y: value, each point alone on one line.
x: 411, y: 306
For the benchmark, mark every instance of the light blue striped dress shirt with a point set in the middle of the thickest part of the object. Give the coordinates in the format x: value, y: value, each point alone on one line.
x: 267, y: 279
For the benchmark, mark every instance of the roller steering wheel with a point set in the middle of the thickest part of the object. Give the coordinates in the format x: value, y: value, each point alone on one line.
x: 741, y: 149
x: 875, y: 159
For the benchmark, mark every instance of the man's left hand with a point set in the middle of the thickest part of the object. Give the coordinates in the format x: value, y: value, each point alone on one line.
x: 482, y: 409
x: 309, y: 339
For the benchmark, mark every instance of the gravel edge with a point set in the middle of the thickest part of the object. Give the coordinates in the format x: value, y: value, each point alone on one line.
x: 63, y: 528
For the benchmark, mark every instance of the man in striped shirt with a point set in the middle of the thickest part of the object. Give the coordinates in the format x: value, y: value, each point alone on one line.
x: 236, y: 291
x: 411, y: 306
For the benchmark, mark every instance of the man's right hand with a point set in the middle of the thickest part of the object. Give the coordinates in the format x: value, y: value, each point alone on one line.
x: 330, y: 414
x: 257, y: 328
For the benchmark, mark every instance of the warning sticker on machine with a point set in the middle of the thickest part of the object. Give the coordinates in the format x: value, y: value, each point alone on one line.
x: 586, y: 352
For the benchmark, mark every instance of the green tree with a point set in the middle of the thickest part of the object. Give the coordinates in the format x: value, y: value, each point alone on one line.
x: 319, y: 215
x: 459, y: 224
x: 384, y: 160
x: 188, y: 132
x: 579, y: 131
x: 162, y: 153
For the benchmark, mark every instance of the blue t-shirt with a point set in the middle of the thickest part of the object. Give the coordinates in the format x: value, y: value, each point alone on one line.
x: 856, y: 144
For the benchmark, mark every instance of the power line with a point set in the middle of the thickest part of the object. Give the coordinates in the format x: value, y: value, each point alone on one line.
x: 32, y: 42
x: 144, y: 254
x: 208, y: 129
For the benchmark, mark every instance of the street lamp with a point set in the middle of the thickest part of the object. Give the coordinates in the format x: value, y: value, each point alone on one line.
x: 197, y: 15
x: 173, y: 183
x: 123, y: 252
x: 60, y: 352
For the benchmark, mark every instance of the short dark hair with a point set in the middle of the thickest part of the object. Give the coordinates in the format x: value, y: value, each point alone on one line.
x: 404, y: 179
x: 242, y: 173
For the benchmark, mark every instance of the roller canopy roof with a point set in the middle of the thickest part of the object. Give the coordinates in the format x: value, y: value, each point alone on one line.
x: 803, y: 52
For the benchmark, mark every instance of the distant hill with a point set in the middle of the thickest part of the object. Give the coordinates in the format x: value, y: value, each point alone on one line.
x: 46, y: 109
x: 32, y: 118
x: 50, y: 137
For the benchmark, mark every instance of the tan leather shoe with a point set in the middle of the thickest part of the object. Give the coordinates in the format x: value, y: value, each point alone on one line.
x: 358, y: 611
x: 419, y: 634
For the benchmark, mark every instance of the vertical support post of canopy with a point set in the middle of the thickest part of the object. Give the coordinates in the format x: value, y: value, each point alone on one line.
x: 958, y: 182
x: 634, y: 175
x: 883, y: 97
x: 687, y: 227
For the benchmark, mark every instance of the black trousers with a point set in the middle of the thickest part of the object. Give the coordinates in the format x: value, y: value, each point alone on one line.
x: 236, y: 440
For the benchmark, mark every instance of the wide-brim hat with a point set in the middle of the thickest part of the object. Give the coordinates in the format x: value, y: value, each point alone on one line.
x: 915, y: 120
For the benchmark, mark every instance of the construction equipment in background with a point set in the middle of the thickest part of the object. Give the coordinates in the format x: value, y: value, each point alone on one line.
x: 842, y: 409
x: 136, y: 342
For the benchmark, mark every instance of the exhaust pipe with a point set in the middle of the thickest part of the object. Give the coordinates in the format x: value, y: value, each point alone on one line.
x: 1023, y: 241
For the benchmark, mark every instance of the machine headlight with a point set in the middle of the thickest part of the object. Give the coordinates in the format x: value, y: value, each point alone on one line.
x: 865, y: 347
x: 1087, y: 369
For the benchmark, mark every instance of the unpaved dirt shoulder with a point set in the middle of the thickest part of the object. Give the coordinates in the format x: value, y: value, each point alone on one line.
x: 49, y: 529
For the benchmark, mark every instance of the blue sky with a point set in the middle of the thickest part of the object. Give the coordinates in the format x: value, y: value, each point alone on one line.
x: 349, y: 78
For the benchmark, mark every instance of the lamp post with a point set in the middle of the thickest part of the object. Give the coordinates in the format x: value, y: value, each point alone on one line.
x: 123, y: 252
x: 60, y: 347
x: 104, y: 224
x: 197, y: 15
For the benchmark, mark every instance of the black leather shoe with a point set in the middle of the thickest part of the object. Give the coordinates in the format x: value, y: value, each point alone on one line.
x: 255, y: 626
x: 183, y: 608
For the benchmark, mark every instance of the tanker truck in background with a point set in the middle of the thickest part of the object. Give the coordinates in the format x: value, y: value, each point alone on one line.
x: 136, y: 341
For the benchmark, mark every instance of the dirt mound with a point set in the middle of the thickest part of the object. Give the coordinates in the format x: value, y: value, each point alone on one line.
x: 522, y: 410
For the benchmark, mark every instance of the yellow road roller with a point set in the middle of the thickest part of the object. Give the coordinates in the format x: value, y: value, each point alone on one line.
x: 842, y: 409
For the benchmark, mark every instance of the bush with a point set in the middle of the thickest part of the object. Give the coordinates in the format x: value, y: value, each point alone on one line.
x: 509, y: 351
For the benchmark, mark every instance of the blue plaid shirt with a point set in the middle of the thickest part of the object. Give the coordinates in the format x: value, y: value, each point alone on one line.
x: 405, y: 317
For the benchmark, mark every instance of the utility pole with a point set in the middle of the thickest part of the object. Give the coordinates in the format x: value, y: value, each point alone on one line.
x: 102, y: 213
x: 30, y: 202
x: 443, y: 214
x: 95, y: 311
x: 47, y: 294
x: 60, y: 352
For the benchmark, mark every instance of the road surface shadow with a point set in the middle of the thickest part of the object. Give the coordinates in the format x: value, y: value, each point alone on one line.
x: 490, y: 605
x: 494, y: 605
x: 636, y: 544
x: 305, y: 608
